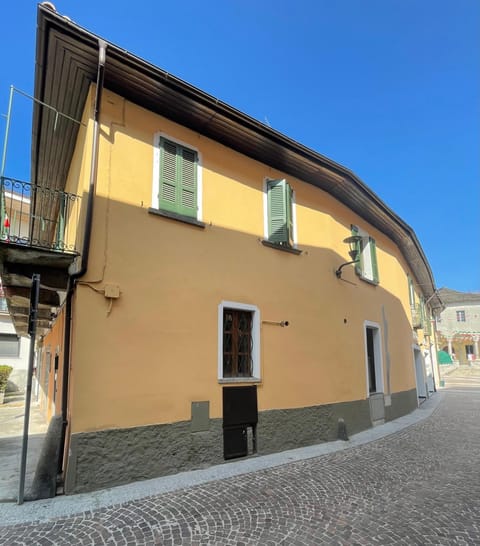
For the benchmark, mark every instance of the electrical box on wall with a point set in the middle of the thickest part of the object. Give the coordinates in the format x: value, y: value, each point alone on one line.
x: 112, y: 291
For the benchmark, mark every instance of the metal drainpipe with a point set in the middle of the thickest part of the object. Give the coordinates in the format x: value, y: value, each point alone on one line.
x: 102, y: 51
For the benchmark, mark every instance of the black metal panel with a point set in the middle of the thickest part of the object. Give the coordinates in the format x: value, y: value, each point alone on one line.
x: 240, y: 406
x: 235, y: 442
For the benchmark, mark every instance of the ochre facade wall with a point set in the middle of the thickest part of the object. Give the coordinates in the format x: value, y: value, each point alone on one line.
x: 51, y: 379
x: 143, y: 358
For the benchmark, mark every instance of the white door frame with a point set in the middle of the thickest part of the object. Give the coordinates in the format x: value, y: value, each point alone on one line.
x: 427, y: 357
x: 378, y: 356
x: 419, y: 370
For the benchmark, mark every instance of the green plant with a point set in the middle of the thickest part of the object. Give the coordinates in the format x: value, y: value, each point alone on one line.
x: 5, y: 372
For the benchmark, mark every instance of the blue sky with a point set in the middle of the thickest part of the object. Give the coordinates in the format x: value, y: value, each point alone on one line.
x: 388, y: 88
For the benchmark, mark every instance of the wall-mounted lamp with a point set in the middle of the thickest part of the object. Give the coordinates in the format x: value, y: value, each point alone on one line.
x: 353, y: 252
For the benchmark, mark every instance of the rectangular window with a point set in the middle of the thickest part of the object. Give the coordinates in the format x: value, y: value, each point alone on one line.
x: 460, y: 316
x: 178, y: 167
x: 280, y: 213
x: 367, y: 267
x: 239, y: 342
x: 9, y: 345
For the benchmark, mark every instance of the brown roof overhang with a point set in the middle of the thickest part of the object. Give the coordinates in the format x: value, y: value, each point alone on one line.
x: 66, y: 64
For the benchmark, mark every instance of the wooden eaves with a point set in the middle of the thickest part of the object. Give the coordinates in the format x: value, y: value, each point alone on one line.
x: 66, y: 65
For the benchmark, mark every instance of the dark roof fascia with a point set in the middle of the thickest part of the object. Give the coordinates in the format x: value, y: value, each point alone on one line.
x: 38, y: 92
x: 131, y: 77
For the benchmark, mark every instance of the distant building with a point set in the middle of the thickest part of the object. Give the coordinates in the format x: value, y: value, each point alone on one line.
x: 459, y: 325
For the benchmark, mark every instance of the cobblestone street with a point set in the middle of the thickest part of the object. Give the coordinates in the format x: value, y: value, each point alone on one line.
x: 418, y: 486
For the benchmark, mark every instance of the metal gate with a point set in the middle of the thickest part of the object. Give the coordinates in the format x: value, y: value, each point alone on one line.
x: 239, y: 412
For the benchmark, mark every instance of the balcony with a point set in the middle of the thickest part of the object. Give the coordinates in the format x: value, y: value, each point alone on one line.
x: 38, y: 217
x: 38, y: 234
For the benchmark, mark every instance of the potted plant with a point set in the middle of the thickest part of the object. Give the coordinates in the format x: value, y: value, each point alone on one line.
x: 5, y: 372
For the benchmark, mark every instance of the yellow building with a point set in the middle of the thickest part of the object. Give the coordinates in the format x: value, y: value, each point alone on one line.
x: 196, y: 270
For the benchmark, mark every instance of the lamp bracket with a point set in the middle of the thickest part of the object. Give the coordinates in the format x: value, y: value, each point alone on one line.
x: 353, y: 253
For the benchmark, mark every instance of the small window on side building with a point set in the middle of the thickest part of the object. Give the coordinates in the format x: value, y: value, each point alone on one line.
x: 9, y: 345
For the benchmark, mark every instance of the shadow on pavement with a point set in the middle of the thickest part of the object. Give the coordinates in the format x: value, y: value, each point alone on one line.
x: 11, y: 436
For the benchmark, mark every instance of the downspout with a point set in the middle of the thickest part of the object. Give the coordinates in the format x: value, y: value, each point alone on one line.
x: 102, y: 51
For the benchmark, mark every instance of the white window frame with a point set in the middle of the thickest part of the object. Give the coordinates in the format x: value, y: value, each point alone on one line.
x: 11, y: 340
x: 156, y: 171
x: 266, y: 234
x: 377, y: 348
x: 366, y: 271
x: 420, y: 382
x: 256, y: 374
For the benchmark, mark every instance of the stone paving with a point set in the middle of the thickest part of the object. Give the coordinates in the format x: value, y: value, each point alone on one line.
x: 12, y: 415
x: 418, y: 486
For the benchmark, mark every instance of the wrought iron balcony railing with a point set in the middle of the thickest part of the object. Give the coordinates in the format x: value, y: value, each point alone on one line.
x: 36, y: 216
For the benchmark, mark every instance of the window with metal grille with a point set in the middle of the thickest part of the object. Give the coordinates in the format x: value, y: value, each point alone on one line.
x: 9, y: 345
x: 237, y: 343
x: 460, y: 316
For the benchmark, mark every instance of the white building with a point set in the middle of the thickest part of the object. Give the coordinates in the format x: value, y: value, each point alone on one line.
x: 14, y: 350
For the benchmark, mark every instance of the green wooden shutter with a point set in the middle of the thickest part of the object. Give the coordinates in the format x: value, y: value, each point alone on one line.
x: 289, y: 198
x: 280, y: 222
x: 178, y: 178
x: 168, y: 175
x: 188, y: 182
x: 428, y: 323
x: 373, y: 256
x: 358, y: 247
x: 422, y: 312
x: 411, y: 293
